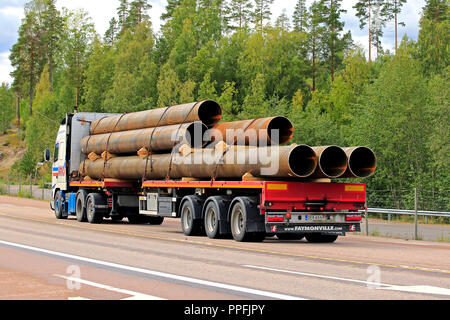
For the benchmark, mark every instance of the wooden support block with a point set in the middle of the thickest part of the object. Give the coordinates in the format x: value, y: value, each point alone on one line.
x: 93, y: 156
x: 185, y: 150
x: 249, y: 177
x: 87, y: 178
x: 221, y: 147
x: 107, y: 156
x: 144, y: 153
x: 188, y: 179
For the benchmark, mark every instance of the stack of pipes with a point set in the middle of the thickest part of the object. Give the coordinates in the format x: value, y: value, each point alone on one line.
x: 189, y: 141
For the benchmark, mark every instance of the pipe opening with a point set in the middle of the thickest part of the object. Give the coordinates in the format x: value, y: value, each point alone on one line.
x: 285, y: 130
x: 303, y: 161
x: 333, y: 162
x: 195, y: 134
x: 210, y: 112
x: 362, y: 162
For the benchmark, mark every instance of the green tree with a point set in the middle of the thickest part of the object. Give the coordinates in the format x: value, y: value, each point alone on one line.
x: 300, y: 17
x: 79, y: 33
x: 261, y: 13
x: 433, y: 41
x: 239, y: 12
x: 7, y: 107
x: 133, y: 86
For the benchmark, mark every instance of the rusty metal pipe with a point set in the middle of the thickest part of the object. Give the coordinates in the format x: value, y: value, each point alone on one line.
x: 209, y: 112
x: 276, y: 131
x: 162, y: 139
x: 332, y: 162
x: 280, y: 162
x: 362, y: 162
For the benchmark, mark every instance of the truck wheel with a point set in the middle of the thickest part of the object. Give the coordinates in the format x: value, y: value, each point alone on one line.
x: 212, y: 220
x: 239, y: 225
x: 290, y: 236
x: 59, y: 211
x: 93, y: 212
x: 191, y: 227
x: 321, y: 238
x: 80, y: 207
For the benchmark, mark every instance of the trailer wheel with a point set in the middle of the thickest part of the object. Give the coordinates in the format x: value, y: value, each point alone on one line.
x: 59, y: 212
x: 80, y: 207
x: 93, y: 210
x: 290, y: 236
x: 189, y: 210
x: 212, y: 220
x: 320, y: 238
x: 238, y: 221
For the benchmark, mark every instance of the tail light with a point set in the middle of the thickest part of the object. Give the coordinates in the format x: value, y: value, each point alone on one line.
x: 353, y: 217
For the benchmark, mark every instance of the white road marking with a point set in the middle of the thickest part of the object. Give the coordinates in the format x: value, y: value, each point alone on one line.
x: 77, y: 298
x: 134, y: 295
x: 372, y: 285
x: 421, y: 289
x: 262, y: 293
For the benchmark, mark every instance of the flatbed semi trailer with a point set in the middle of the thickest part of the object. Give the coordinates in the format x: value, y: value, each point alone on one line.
x: 243, y: 210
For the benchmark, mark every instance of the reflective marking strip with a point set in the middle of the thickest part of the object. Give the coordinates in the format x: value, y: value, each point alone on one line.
x: 279, y: 187
x: 350, y: 187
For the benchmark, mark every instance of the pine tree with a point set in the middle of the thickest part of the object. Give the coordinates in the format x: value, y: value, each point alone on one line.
x: 283, y: 21
x: 171, y: 6
x: 138, y: 12
x: 27, y: 56
x: 334, y: 43
x: 112, y: 32
x: 393, y: 8
x: 261, y: 13
x: 300, y: 17
x: 239, y: 12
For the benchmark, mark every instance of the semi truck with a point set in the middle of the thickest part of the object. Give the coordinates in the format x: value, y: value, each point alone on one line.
x: 244, y: 210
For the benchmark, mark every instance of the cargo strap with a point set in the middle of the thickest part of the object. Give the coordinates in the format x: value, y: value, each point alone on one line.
x: 174, y: 144
x: 216, y: 169
x: 87, y: 145
x: 107, y: 146
x: 150, y: 144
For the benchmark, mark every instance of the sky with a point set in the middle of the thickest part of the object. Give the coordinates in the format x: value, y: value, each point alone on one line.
x: 101, y: 11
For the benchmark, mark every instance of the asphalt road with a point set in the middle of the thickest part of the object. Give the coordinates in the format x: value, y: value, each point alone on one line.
x: 45, y: 258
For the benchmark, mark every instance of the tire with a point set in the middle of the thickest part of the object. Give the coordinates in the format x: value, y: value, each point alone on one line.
x: 80, y: 207
x: 59, y: 212
x: 290, y: 236
x: 211, y: 220
x: 94, y: 215
x: 238, y: 221
x: 320, y: 238
x: 190, y: 226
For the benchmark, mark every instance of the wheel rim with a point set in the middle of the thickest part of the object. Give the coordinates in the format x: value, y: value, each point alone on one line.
x: 211, y: 220
x: 79, y: 208
x: 187, y: 217
x: 238, y: 220
x: 90, y: 209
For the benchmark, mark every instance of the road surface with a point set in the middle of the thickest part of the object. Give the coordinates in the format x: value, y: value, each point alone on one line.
x: 45, y: 258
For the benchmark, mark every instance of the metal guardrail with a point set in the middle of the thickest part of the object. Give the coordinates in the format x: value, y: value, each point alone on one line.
x: 408, y: 212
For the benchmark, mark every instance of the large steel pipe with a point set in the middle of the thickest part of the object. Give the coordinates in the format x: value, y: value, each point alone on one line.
x: 274, y: 130
x: 280, y: 162
x: 209, y: 112
x: 153, y: 139
x: 362, y: 162
x: 332, y: 162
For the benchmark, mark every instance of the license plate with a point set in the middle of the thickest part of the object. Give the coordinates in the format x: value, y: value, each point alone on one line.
x: 315, y: 218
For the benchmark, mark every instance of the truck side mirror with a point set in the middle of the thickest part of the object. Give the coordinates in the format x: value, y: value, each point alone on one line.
x: 47, y: 155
